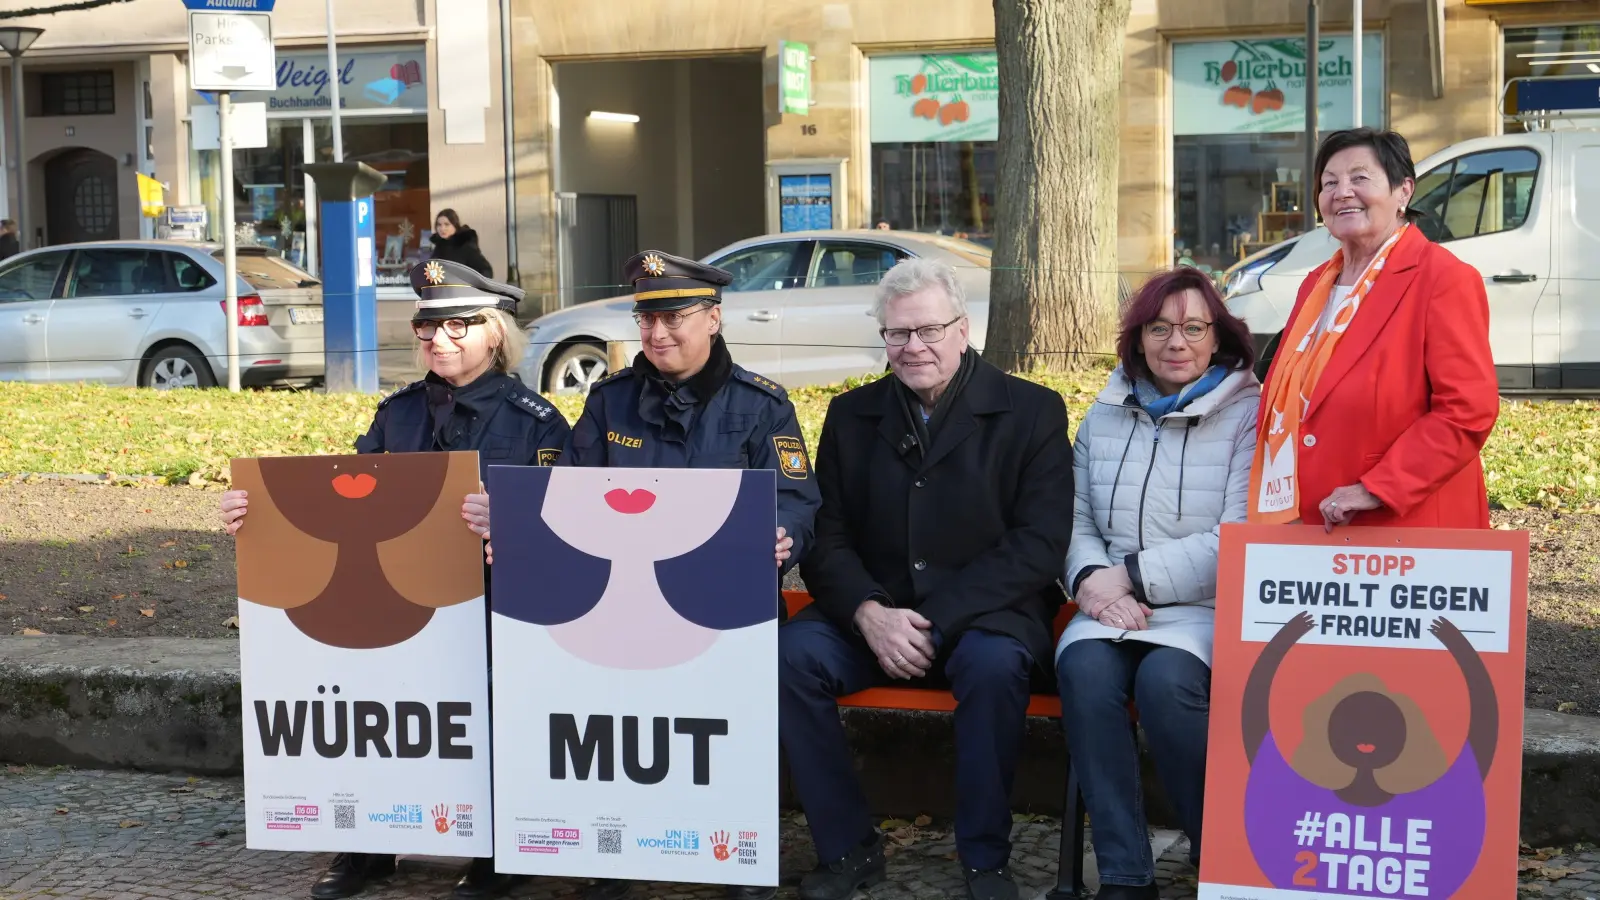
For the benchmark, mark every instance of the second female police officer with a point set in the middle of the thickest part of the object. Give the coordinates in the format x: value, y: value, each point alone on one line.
x: 469, y: 342
x: 685, y: 404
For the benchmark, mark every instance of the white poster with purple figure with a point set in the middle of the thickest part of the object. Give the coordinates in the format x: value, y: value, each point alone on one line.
x: 635, y: 673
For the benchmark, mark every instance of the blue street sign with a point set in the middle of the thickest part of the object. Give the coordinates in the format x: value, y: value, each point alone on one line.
x: 230, y: 5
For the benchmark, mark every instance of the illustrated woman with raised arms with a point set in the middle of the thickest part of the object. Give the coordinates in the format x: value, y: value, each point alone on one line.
x: 1368, y: 752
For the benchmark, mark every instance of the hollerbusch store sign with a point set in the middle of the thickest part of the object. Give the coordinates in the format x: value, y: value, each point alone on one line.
x: 935, y: 97
x: 1259, y: 86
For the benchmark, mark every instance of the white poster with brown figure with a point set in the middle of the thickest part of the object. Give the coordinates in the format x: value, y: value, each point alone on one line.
x: 363, y: 656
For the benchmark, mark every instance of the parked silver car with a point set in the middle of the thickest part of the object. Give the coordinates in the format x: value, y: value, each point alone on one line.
x: 151, y: 314
x: 796, y: 312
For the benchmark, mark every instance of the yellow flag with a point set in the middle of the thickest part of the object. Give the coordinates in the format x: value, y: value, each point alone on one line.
x: 152, y: 197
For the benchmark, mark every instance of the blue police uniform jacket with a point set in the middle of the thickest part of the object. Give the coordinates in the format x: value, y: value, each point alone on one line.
x: 496, y: 415
x: 635, y: 418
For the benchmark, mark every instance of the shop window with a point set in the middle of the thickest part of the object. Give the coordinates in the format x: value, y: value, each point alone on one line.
x: 77, y: 94
x: 1236, y: 194
x: 944, y: 187
x: 1481, y: 193
x: 1238, y: 120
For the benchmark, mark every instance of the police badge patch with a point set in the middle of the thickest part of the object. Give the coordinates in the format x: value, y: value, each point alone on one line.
x: 792, y: 457
x: 549, y: 457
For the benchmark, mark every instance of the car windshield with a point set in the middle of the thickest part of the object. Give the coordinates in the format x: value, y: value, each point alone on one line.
x: 266, y: 272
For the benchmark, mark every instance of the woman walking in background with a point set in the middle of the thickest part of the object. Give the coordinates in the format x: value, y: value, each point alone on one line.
x: 455, y: 242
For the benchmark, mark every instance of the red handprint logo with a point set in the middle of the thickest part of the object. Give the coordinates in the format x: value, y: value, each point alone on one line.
x: 441, y: 818
x: 719, y: 846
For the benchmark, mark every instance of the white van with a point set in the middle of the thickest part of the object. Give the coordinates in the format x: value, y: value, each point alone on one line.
x: 1524, y: 210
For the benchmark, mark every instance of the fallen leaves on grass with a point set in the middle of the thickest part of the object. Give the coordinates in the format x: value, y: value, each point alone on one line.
x: 148, y: 613
x: 1567, y: 706
x: 32, y: 632
x: 86, y: 609
x: 231, y: 622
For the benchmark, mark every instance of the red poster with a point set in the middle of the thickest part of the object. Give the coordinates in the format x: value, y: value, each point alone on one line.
x: 1366, y: 714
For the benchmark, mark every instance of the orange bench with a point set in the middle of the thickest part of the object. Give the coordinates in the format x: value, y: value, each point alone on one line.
x: 1069, y: 872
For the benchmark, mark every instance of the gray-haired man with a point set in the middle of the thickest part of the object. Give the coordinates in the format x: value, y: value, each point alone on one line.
x: 946, y: 512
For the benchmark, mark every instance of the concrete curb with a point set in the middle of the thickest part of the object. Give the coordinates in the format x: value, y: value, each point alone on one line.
x: 172, y: 704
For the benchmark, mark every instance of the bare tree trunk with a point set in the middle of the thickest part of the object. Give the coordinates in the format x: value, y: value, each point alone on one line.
x: 1053, y: 289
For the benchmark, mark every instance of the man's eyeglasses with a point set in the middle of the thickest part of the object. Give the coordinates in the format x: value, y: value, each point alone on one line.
x: 928, y: 334
x: 1192, y: 330
x: 455, y: 329
x: 672, y: 319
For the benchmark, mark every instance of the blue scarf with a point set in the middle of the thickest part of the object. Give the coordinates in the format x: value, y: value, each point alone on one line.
x: 1156, y: 405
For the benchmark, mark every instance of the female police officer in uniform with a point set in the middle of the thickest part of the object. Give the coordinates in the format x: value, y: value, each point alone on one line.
x: 469, y: 341
x: 685, y: 404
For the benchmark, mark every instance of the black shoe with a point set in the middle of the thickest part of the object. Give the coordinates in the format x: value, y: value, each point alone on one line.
x: 862, y: 867
x: 751, y: 892
x: 990, y: 884
x: 1128, y: 892
x: 607, y: 889
x: 481, y: 881
x: 350, y: 873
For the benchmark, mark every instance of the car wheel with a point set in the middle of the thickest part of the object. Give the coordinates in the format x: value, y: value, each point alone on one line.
x: 174, y: 367
x: 576, y: 369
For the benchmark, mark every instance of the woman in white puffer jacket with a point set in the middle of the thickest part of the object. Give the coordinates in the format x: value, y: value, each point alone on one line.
x: 1161, y: 461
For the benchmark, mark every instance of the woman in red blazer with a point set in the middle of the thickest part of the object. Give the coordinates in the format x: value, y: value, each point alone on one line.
x: 1383, y: 389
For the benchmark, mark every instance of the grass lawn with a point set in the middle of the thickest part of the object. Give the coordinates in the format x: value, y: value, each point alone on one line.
x: 1541, y: 454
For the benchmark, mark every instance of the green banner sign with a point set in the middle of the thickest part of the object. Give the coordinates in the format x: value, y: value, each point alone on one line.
x: 794, y: 78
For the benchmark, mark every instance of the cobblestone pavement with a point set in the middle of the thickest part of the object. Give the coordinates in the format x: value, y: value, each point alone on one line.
x: 129, y: 836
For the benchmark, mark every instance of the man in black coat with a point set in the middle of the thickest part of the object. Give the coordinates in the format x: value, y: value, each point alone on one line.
x: 946, y: 513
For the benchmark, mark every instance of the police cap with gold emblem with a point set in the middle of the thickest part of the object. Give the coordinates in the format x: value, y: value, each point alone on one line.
x: 663, y: 282
x: 447, y: 290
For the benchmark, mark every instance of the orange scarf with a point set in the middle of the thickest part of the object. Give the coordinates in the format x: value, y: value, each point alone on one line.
x: 1274, y: 489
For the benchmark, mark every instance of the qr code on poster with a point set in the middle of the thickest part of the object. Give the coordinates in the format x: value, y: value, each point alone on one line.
x: 344, y: 817
x: 610, y: 840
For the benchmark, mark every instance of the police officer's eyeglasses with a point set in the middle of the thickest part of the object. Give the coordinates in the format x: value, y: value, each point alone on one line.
x: 672, y: 319
x: 1193, y: 330
x: 453, y: 328
x: 928, y: 334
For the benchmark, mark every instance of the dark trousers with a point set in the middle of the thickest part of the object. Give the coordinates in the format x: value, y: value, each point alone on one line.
x: 988, y: 673
x: 1172, y: 689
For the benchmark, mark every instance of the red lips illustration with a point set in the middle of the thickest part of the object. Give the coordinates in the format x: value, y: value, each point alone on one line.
x: 354, y: 487
x: 1366, y: 748
x: 630, y: 503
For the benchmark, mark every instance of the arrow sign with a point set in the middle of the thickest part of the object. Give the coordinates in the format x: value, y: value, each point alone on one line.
x: 231, y: 51
x: 230, y: 5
